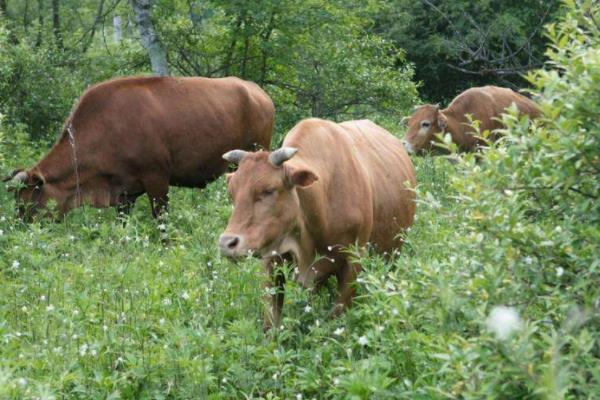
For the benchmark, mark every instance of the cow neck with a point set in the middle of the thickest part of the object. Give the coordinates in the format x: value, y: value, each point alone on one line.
x: 58, y: 167
x: 455, y: 127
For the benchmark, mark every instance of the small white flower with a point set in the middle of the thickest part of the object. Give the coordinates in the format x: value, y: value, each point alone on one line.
x: 24, y: 309
x: 528, y: 260
x: 50, y: 308
x: 275, y: 376
x: 71, y: 237
x: 185, y: 295
x: 105, y: 328
x: 161, y: 321
x: 336, y: 381
x: 83, y: 349
x: 1, y: 232
x: 503, y: 321
x: 22, y: 382
x: 162, y: 227
x: 93, y: 352
x: 307, y: 309
x: 380, y: 328
x: 74, y: 337
x: 166, y: 301
x: 224, y: 380
x: 75, y: 312
x: 363, y: 341
x: 299, y: 396
x: 560, y: 271
x: 16, y: 264
x: 42, y: 298
x: 395, y: 311
x: 338, y: 331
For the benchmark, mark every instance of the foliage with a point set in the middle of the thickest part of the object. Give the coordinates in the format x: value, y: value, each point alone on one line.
x: 457, y: 44
x: 313, y: 59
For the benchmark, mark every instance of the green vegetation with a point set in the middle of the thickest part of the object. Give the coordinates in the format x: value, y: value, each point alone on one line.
x: 93, y: 308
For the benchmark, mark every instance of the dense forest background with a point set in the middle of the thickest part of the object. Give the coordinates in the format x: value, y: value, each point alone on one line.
x: 337, y: 59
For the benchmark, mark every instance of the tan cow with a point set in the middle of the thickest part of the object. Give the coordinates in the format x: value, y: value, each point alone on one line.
x: 329, y: 187
x: 138, y: 135
x: 482, y: 103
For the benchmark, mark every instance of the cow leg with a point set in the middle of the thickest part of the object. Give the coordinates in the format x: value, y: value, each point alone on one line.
x: 126, y: 204
x: 346, y: 277
x: 157, y: 188
x: 274, y: 294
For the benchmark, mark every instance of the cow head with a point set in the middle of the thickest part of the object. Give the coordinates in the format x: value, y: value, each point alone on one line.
x: 424, y: 124
x: 265, y: 203
x: 30, y: 192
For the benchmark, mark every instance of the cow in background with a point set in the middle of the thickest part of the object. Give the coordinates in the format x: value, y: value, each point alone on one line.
x: 485, y: 104
x: 138, y: 135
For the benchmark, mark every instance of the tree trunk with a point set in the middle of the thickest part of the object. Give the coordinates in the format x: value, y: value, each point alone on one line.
x: 56, y: 23
x: 149, y: 38
x: 38, y: 40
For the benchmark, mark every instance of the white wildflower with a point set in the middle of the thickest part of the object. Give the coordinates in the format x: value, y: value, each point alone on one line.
x: 104, y: 328
x: 93, y: 352
x: 560, y: 271
x: 307, y: 309
x: 161, y: 321
x: 338, y: 331
x: 24, y: 309
x: 16, y: 264
x: 395, y: 311
x: 380, y: 328
x: 503, y: 321
x: 299, y: 396
x: 166, y: 301
x: 50, y: 308
x: 363, y: 341
x: 185, y: 295
x: 1, y: 232
x: 22, y: 382
x: 83, y: 349
x: 162, y: 227
x: 42, y: 298
x: 75, y: 312
x: 336, y: 381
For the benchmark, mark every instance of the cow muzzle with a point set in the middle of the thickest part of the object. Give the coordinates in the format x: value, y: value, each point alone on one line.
x: 232, y: 246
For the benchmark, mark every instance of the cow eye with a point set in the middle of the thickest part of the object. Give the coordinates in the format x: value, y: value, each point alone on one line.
x: 267, y: 193
x: 425, y: 124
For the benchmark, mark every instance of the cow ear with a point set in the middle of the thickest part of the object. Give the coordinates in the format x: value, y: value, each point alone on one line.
x: 300, y: 176
x: 228, y: 177
x: 35, y: 179
x: 442, y: 121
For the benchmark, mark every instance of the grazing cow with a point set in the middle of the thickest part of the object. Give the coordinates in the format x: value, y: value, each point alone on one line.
x: 329, y: 187
x: 485, y: 104
x: 138, y: 135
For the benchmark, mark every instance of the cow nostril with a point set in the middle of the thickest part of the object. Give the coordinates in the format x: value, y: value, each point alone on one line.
x: 233, y: 242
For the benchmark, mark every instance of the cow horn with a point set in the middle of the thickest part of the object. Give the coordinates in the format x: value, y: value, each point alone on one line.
x: 281, y: 155
x: 235, y: 156
x: 19, y: 178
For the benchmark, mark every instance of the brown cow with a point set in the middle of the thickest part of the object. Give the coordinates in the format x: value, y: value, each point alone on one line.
x: 344, y: 184
x: 138, y: 135
x: 482, y: 103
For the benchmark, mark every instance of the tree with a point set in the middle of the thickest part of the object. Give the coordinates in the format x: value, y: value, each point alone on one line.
x: 56, y: 23
x: 456, y: 44
x: 149, y: 37
x: 313, y: 59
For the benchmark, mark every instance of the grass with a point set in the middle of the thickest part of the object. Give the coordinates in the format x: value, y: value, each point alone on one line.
x: 92, y: 308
